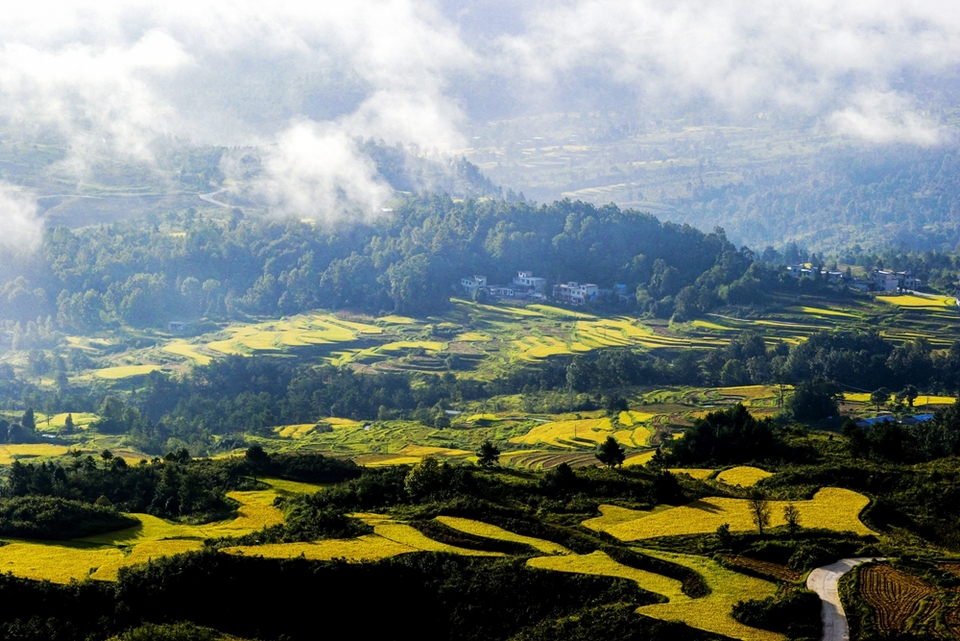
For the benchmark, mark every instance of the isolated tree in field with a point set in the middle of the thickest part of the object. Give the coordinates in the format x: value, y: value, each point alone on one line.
x: 792, y: 517
x: 610, y: 453
x: 68, y: 426
x: 28, y: 421
x: 880, y: 397
x: 908, y: 394
x: 257, y: 459
x: 488, y: 455
x: 759, y: 509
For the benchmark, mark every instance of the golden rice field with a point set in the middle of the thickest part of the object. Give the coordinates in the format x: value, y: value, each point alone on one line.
x: 558, y: 312
x: 407, y: 535
x: 580, y: 433
x: 185, y: 349
x: 533, y: 348
x: 426, y: 450
x: 598, y: 563
x: 820, y: 311
x: 81, y: 420
x: 920, y: 401
x: 293, y: 487
x: 912, y: 300
x: 369, y: 547
x: 639, y: 459
x: 633, y: 417
x: 124, y: 371
x: 11, y: 453
x: 479, y: 528
x: 712, y: 612
x: 472, y: 337
x: 393, y: 319
x: 142, y: 553
x: 398, y: 346
x: 305, y: 329
x: 831, y: 508
x: 744, y: 476
x: 698, y: 473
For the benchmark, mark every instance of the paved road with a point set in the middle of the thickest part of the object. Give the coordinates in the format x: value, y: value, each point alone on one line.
x: 210, y: 198
x: 823, y: 581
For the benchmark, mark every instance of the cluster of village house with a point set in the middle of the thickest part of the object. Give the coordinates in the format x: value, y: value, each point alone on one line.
x: 880, y: 280
x: 527, y: 287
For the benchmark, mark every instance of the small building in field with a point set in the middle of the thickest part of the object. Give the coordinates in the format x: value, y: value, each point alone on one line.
x: 527, y: 280
x: 576, y: 293
x: 470, y: 284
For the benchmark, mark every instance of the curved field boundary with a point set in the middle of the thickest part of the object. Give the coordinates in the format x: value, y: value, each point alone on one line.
x: 894, y: 595
x: 479, y: 528
x: 832, y: 508
x: 824, y: 581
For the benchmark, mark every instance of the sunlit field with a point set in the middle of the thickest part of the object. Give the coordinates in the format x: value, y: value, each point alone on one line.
x: 744, y: 476
x: 831, y: 508
x: 479, y: 528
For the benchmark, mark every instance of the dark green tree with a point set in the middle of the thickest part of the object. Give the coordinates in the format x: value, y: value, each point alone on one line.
x: 488, y: 455
x: 610, y: 453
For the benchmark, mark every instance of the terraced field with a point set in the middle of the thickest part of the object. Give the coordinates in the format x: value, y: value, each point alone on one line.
x: 102, y: 556
x: 712, y: 613
x: 831, y: 508
x: 744, y: 476
x: 894, y: 595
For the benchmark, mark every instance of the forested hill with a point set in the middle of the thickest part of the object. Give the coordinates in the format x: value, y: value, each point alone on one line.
x: 185, y: 266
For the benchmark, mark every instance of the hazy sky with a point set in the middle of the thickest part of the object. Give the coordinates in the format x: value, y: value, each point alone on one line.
x: 302, y: 79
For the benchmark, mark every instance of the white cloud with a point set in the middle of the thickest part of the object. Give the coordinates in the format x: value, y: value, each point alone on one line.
x: 19, y: 220
x: 316, y: 171
x: 884, y: 117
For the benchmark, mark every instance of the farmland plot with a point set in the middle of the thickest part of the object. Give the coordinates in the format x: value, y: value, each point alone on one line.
x: 894, y: 595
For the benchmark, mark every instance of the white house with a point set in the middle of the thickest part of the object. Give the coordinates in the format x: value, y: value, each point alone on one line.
x: 576, y: 293
x: 470, y: 284
x: 528, y: 280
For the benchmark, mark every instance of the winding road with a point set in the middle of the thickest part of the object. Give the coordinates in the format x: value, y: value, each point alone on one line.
x: 823, y: 581
x: 213, y: 201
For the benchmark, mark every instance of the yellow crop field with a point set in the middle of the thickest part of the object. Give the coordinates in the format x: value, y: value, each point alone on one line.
x: 744, y: 476
x: 425, y: 450
x: 396, y: 346
x: 369, y: 547
x: 406, y: 535
x: 712, y: 612
x: 293, y: 487
x: 558, y: 312
x: 698, y: 473
x: 920, y: 401
x: 533, y: 348
x: 396, y: 320
x: 639, y: 459
x: 305, y: 329
x: 633, y: 417
x: 56, y: 562
x: 566, y: 433
x: 714, y: 326
x: 831, y: 508
x: 599, y: 563
x: 934, y: 400
x: 10, y: 453
x: 295, y: 431
x: 255, y: 513
x: 382, y: 460
x: 141, y: 554
x: 911, y: 300
x: 820, y: 311
x: 637, y: 437
x: 124, y: 371
x: 472, y: 337
x: 81, y: 420
x: 479, y: 528
x: 185, y: 349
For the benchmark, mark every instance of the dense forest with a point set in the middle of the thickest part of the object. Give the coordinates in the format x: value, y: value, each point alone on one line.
x: 185, y: 266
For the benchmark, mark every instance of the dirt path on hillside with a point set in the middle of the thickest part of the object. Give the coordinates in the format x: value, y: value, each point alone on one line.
x: 823, y: 581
